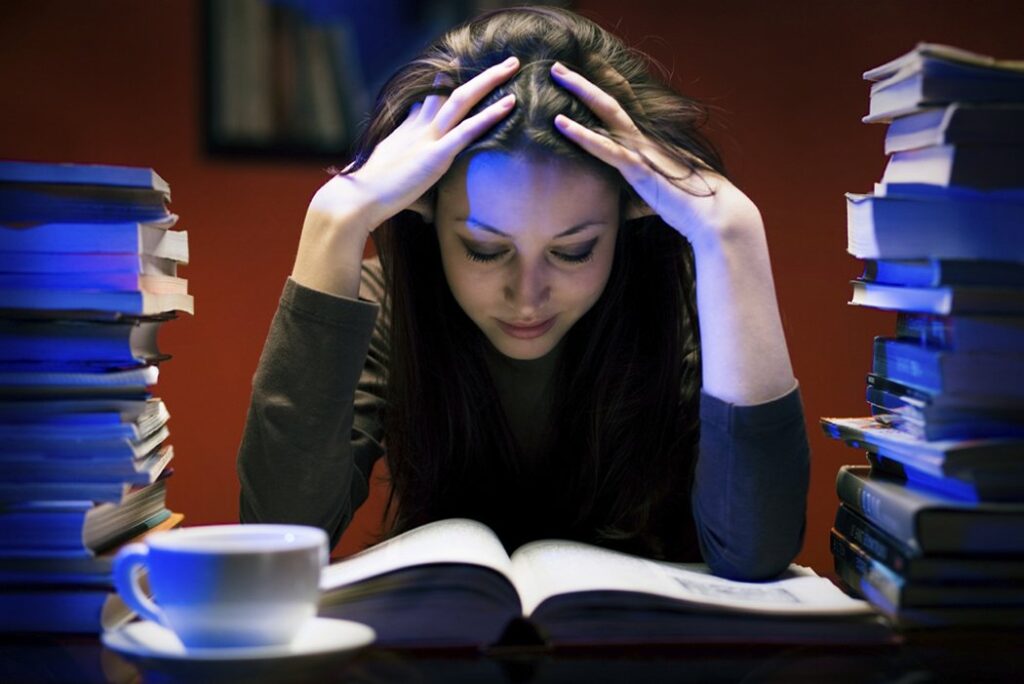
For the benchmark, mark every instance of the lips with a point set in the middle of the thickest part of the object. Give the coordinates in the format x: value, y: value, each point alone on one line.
x: 526, y: 332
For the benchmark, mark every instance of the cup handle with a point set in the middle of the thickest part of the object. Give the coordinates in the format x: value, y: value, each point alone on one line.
x: 126, y: 580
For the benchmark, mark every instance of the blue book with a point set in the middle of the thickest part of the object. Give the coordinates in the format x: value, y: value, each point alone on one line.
x: 128, y: 237
x: 126, y: 303
x: 68, y: 610
x: 41, y: 476
x: 77, y: 264
x: 112, y: 343
x: 42, y: 192
x: 81, y: 174
x: 994, y: 334
x: 950, y: 372
x: 969, y: 484
x: 942, y: 272
x: 77, y: 203
x: 43, y: 529
x: 129, y: 384
x: 930, y: 420
x: 941, y: 458
x: 943, y: 225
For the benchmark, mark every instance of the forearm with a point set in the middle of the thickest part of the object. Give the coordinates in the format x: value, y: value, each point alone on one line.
x: 743, y: 348
x: 296, y: 461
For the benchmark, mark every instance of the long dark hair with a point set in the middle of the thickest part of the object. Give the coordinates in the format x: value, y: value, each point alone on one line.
x: 625, y: 415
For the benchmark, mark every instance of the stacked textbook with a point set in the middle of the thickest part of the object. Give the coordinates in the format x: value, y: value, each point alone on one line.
x: 88, y: 274
x: 932, y: 529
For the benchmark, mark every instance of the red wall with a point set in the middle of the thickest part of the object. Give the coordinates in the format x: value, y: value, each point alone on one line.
x: 117, y: 81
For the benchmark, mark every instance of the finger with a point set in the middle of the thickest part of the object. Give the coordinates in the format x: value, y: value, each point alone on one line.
x: 606, y: 107
x: 470, y: 129
x: 651, y: 186
x: 467, y: 95
x: 619, y: 81
x: 629, y: 163
x: 433, y: 103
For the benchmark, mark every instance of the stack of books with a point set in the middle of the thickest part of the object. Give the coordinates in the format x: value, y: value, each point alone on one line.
x: 88, y: 274
x: 932, y: 530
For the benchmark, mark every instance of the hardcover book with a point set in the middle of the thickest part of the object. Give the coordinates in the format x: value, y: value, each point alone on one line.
x: 968, y: 483
x: 914, y: 566
x: 860, y: 570
x: 940, y: 370
x: 452, y: 584
x: 929, y: 522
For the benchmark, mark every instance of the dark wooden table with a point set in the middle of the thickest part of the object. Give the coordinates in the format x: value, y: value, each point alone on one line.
x: 924, y: 657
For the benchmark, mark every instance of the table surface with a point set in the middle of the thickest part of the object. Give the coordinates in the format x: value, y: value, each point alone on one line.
x: 923, y: 657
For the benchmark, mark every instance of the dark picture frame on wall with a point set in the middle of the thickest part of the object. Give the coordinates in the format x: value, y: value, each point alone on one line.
x: 296, y: 79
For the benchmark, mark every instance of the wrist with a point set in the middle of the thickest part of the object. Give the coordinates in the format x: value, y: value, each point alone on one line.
x: 330, y: 253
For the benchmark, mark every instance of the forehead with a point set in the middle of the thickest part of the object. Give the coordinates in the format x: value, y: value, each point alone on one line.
x: 513, y: 192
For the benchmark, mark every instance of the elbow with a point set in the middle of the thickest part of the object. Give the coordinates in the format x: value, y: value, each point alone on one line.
x: 756, y: 558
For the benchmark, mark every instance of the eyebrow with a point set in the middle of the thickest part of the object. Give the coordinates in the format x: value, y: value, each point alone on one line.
x: 565, y: 233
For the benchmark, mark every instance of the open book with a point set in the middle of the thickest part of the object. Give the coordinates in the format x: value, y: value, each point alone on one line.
x: 451, y: 584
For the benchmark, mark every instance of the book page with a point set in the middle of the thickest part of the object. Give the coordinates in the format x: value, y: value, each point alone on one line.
x: 551, y: 567
x: 457, y: 540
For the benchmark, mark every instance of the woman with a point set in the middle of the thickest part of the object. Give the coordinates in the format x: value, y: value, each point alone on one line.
x: 536, y: 363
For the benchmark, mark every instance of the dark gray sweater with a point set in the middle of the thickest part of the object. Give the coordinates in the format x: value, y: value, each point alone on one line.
x: 315, y: 429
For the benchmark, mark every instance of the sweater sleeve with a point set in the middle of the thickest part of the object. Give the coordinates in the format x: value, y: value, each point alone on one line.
x: 750, y: 489
x: 313, y: 429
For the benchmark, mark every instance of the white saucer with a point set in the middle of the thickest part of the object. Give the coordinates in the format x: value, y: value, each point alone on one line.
x: 149, y: 641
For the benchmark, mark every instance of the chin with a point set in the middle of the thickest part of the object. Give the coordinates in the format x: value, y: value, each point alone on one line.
x: 524, y: 350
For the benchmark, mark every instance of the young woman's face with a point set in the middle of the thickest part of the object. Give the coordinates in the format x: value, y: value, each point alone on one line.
x: 527, y: 246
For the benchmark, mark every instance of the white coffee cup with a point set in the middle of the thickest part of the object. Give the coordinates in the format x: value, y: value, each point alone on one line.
x: 224, y: 586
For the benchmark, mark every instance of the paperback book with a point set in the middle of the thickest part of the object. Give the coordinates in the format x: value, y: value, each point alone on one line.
x: 933, y: 74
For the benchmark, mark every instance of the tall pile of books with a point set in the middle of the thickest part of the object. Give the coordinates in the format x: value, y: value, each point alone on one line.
x: 932, y: 530
x: 88, y: 273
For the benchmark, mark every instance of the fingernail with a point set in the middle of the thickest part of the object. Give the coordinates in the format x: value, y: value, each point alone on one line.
x: 510, y: 62
x: 559, y: 69
x: 562, y: 121
x: 508, y: 101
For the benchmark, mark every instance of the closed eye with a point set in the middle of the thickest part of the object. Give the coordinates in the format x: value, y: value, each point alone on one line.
x: 578, y: 256
x: 484, y: 257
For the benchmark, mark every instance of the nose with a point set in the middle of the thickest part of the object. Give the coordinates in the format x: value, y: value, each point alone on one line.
x: 528, y: 289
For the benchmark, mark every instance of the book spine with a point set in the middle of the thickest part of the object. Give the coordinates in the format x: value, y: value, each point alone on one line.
x: 894, y: 515
x: 869, y: 571
x: 908, y: 363
x: 885, y: 548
